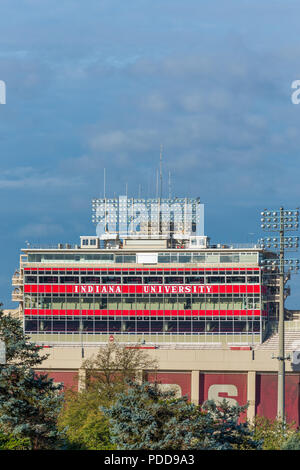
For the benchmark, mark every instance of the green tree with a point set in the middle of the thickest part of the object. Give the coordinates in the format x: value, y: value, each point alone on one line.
x: 29, y: 402
x: 114, y: 364
x: 84, y: 424
x: 10, y: 442
x: 292, y: 443
x: 144, y: 417
x: 273, y: 433
x: 228, y: 430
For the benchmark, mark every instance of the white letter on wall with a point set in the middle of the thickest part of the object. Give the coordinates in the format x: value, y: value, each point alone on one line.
x: 215, y: 390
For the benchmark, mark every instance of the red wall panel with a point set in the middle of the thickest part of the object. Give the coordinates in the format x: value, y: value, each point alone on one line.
x: 266, y: 396
x: 212, y: 268
x: 183, y: 379
x: 216, y: 386
x: 235, y: 387
x: 69, y: 378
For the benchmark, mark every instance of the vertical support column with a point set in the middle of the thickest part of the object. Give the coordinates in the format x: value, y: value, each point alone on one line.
x: 261, y: 308
x: 195, y: 387
x: 251, y: 394
x: 281, y: 346
x: 81, y: 380
x: 139, y: 376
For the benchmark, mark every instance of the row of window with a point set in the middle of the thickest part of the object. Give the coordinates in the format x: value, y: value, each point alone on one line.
x: 87, y: 326
x: 144, y: 271
x: 141, y: 279
x: 181, y: 257
x: 145, y: 304
x: 112, y: 318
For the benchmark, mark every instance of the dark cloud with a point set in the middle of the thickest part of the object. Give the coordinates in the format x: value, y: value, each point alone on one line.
x: 105, y: 83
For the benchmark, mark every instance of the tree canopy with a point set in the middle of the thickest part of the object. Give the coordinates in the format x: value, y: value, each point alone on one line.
x: 275, y: 434
x: 85, y: 425
x: 113, y: 365
x: 144, y: 417
x: 29, y: 402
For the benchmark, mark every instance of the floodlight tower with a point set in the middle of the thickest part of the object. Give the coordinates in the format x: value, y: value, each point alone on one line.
x: 281, y: 221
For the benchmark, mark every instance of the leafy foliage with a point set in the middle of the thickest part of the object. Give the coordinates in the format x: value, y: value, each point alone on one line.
x: 20, y: 352
x: 29, y: 403
x: 228, y: 430
x: 292, y: 443
x: 10, y: 442
x: 273, y: 433
x: 113, y: 365
x: 144, y: 417
x: 84, y: 425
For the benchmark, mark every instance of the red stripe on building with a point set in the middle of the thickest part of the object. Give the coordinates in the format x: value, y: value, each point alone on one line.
x: 90, y: 268
x: 142, y: 288
x: 137, y: 313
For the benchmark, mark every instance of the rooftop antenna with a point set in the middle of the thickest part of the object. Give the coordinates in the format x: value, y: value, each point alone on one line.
x: 104, y: 183
x: 126, y: 189
x: 149, y: 184
x: 156, y: 183
x: 170, y: 191
x: 160, y: 169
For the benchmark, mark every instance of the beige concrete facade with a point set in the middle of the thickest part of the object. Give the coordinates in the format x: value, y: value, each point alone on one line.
x: 182, y: 361
x: 70, y: 357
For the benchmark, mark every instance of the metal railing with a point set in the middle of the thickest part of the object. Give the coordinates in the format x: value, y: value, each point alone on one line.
x: 159, y: 340
x: 57, y: 246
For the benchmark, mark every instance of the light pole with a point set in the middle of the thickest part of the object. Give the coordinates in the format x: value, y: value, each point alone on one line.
x: 280, y: 221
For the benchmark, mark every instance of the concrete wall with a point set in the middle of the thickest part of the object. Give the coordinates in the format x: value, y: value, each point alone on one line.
x: 240, y: 376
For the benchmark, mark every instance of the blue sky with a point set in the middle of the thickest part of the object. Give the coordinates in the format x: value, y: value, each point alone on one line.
x: 104, y: 83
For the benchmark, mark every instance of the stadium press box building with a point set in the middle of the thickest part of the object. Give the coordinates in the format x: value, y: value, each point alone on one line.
x: 150, y: 277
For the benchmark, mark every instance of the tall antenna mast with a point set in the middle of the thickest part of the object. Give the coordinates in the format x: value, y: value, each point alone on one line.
x: 126, y: 189
x: 160, y: 169
x: 104, y: 184
x: 170, y: 191
x: 156, y: 183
